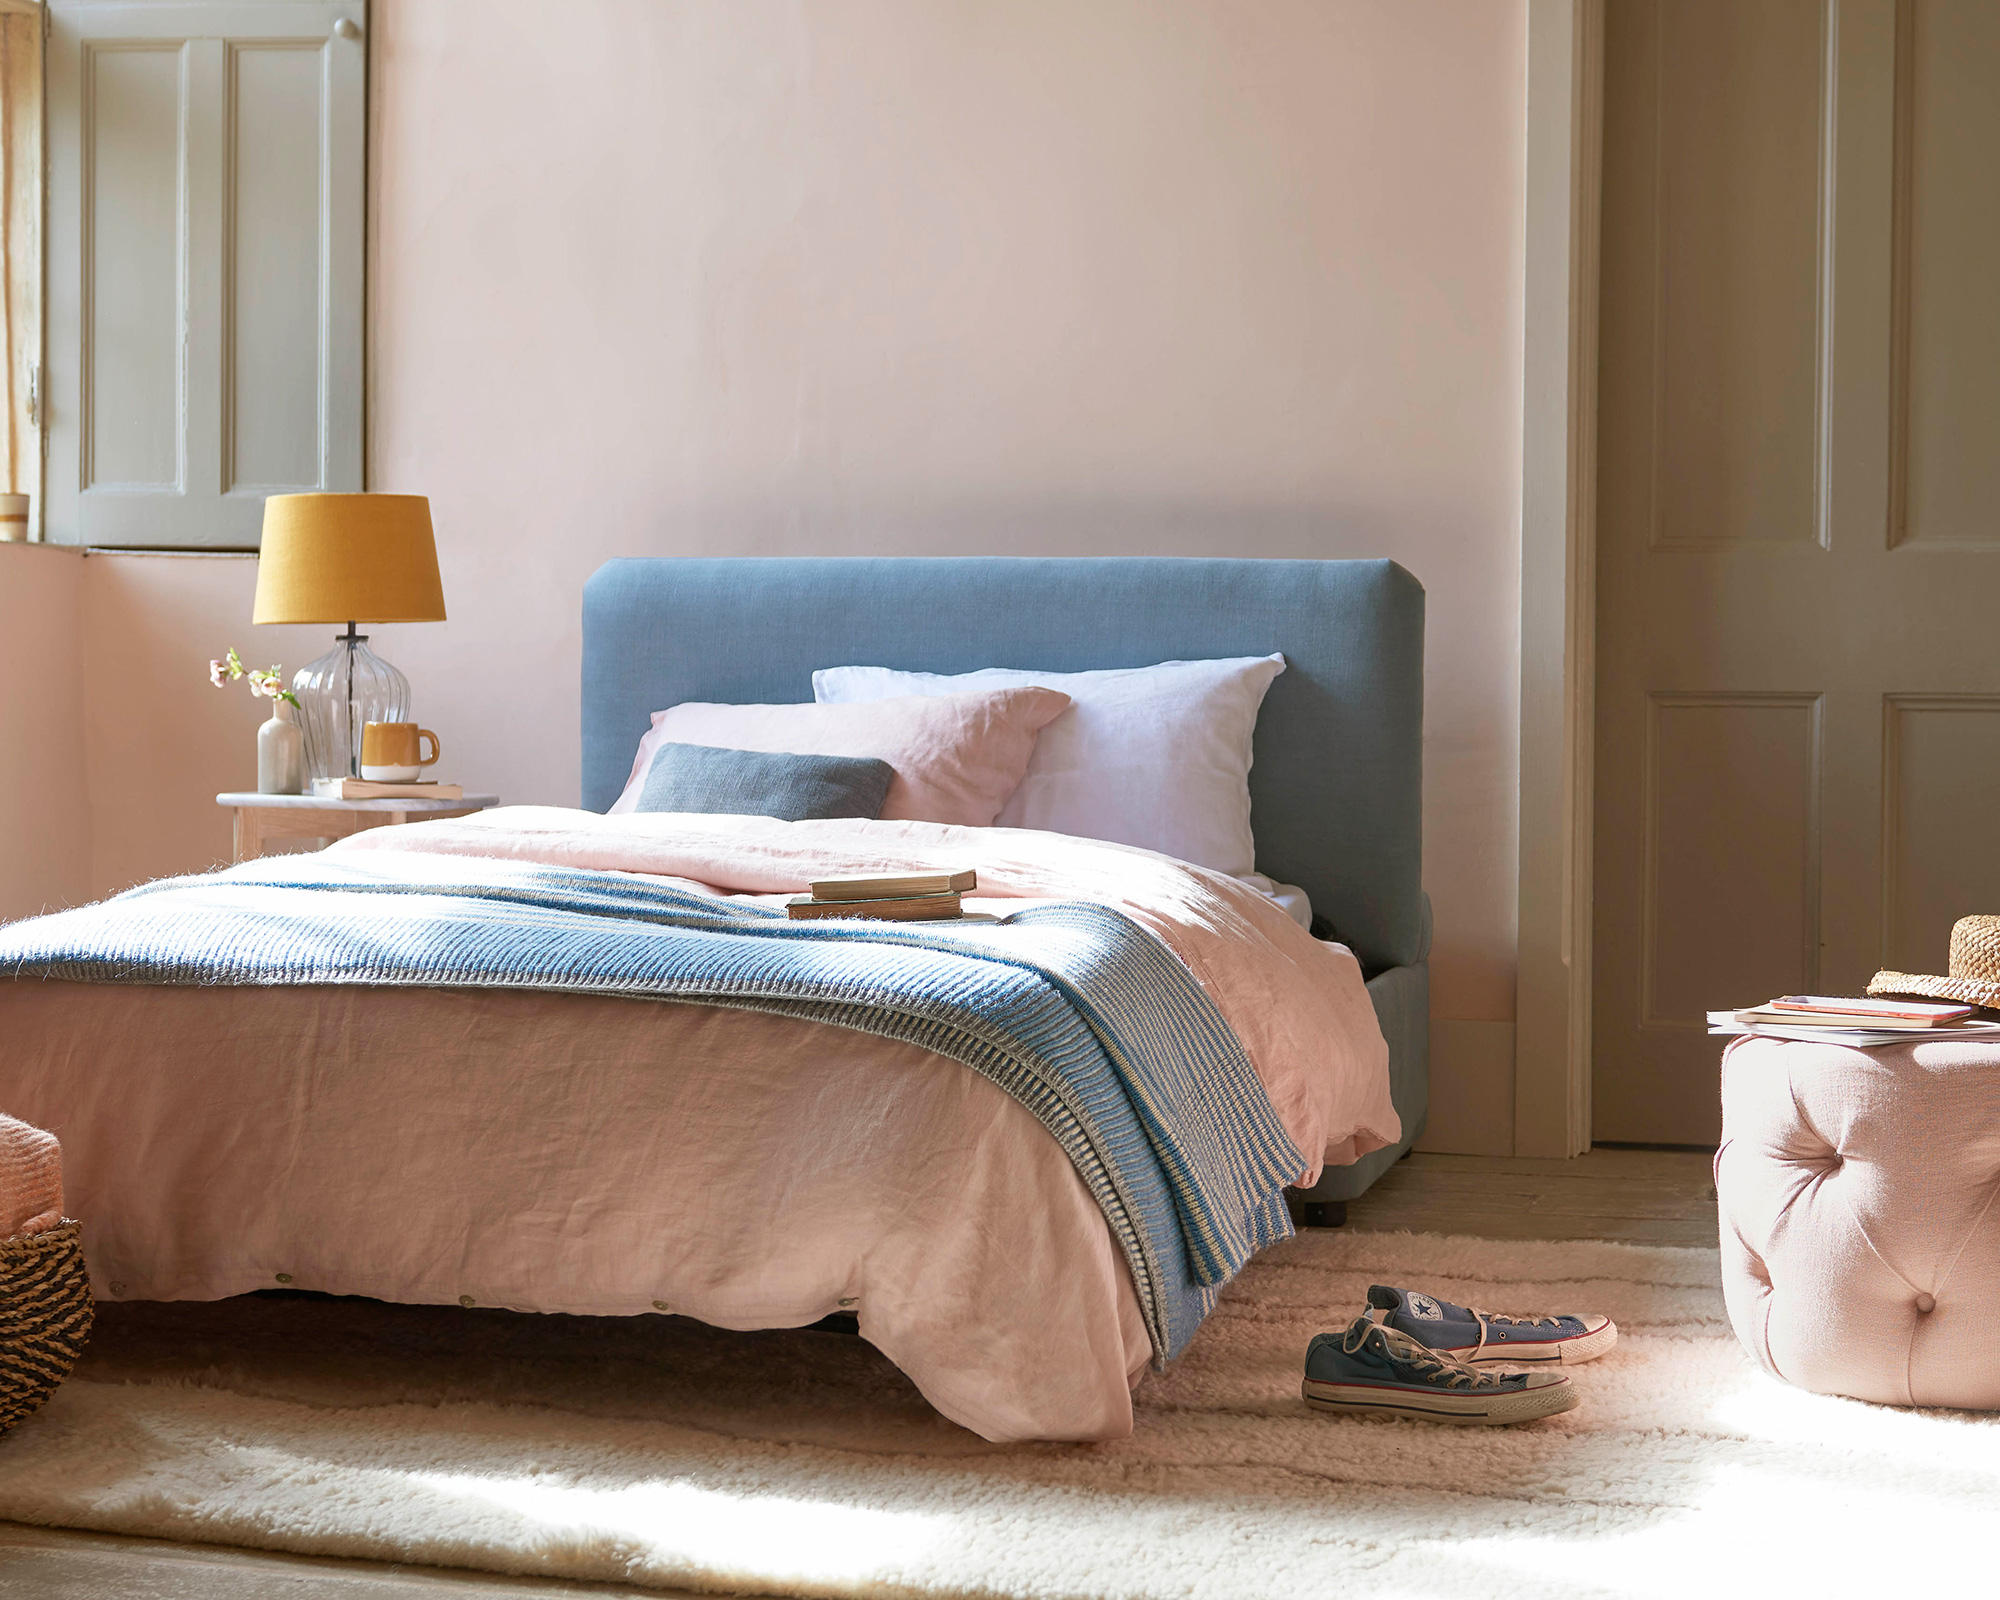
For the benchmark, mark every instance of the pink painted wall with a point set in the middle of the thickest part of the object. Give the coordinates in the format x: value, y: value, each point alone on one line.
x: 44, y: 800
x: 910, y: 277
x: 943, y: 276
x: 160, y: 741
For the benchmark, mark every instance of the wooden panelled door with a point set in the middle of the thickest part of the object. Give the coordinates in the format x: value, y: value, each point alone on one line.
x: 1798, y: 703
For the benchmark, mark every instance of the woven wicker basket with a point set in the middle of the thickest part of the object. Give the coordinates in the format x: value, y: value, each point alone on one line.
x: 45, y: 1316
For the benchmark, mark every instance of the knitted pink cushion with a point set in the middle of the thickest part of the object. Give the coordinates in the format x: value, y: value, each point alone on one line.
x: 1860, y: 1219
x: 957, y: 757
x: 30, y: 1179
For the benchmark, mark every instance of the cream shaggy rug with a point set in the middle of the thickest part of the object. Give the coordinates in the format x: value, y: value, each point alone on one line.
x: 661, y: 1452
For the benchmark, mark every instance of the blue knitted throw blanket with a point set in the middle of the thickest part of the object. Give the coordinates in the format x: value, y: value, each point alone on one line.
x: 1081, y: 1015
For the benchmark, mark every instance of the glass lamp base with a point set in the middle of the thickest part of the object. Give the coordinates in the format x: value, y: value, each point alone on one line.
x: 345, y: 689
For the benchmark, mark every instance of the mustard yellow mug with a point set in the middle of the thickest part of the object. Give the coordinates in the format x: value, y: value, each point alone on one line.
x: 392, y: 752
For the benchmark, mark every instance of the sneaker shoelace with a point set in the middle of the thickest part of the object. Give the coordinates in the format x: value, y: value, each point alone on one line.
x: 1486, y: 1319
x: 1439, y: 1366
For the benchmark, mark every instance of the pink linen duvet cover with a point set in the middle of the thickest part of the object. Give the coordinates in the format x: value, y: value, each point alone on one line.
x: 571, y: 1153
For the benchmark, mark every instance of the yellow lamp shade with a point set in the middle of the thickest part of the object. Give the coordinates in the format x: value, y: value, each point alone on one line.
x: 348, y: 558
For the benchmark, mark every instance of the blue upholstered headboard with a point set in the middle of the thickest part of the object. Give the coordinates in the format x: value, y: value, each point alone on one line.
x: 1336, y: 788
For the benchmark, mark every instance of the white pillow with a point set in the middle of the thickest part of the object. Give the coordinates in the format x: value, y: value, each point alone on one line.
x: 1157, y: 757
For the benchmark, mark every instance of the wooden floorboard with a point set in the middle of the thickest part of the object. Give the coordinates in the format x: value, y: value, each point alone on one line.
x: 1638, y: 1196
x: 56, y: 1564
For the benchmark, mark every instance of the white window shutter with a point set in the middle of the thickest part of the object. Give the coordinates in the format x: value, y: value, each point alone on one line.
x: 205, y: 264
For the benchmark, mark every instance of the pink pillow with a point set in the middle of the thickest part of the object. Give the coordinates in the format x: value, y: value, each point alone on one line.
x: 957, y: 757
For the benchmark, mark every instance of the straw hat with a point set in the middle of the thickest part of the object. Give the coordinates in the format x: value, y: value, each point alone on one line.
x: 1975, y: 968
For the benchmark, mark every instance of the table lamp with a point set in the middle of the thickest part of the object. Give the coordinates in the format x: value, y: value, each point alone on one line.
x: 347, y: 558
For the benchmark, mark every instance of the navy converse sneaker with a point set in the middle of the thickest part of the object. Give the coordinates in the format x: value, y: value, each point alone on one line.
x: 1375, y: 1370
x: 1475, y: 1335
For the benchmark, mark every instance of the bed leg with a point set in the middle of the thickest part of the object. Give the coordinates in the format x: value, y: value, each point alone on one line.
x: 1323, y: 1214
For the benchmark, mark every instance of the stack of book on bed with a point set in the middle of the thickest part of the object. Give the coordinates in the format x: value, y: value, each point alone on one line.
x: 1851, y: 1020
x: 924, y: 897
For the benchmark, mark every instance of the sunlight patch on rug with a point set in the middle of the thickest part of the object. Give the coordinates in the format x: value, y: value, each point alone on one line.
x: 748, y: 1535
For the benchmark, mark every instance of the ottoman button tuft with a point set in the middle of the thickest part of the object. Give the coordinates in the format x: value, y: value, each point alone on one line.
x: 1926, y: 1304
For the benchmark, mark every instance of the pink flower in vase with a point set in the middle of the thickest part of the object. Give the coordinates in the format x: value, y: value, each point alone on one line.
x: 263, y: 685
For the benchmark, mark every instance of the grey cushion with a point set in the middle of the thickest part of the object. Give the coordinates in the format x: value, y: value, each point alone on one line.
x: 755, y: 783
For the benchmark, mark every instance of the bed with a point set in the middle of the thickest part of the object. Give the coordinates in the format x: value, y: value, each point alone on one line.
x: 330, y: 1094
x: 1336, y: 789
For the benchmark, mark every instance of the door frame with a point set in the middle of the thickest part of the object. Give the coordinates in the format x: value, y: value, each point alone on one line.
x: 1563, y: 184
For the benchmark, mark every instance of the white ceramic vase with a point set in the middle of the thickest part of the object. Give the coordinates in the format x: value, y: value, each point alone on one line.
x: 281, y: 752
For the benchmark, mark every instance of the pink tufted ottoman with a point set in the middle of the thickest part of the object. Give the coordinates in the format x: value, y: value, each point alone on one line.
x: 1860, y: 1228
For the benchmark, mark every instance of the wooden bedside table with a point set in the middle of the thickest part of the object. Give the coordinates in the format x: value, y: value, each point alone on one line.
x: 310, y: 816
